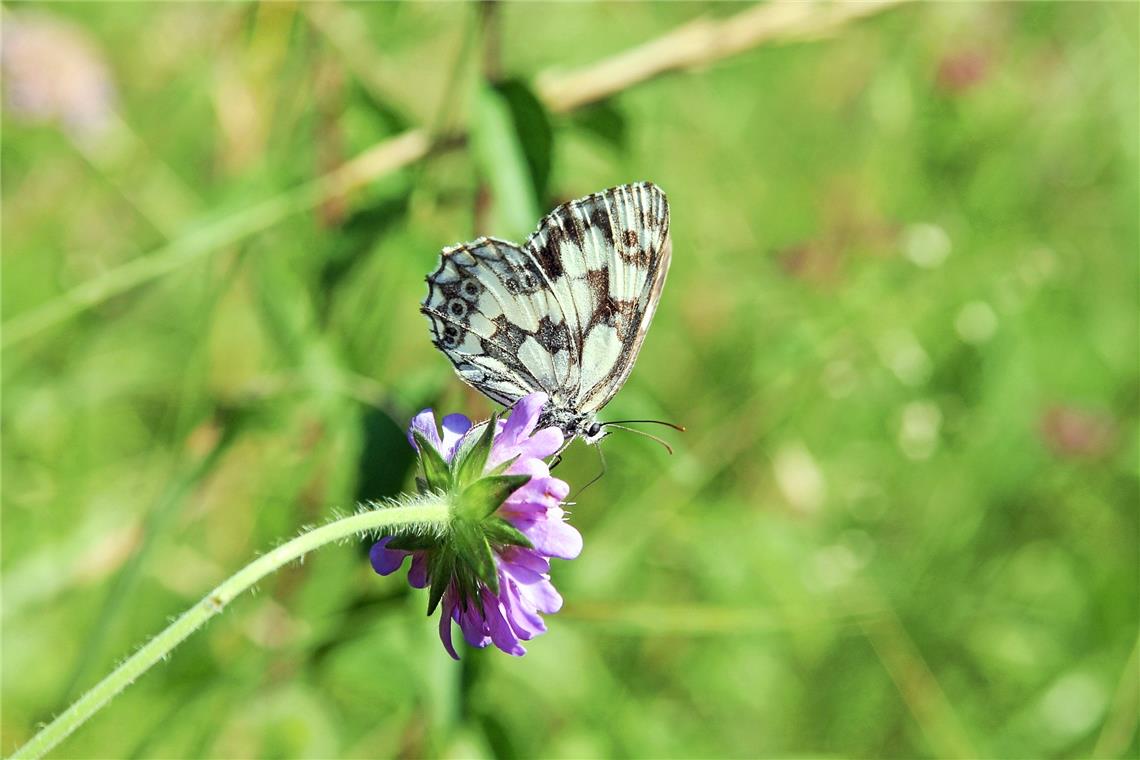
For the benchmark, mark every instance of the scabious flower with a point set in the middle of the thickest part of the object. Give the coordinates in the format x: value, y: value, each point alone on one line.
x: 490, y: 568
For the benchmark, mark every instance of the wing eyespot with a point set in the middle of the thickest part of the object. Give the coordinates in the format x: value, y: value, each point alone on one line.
x: 470, y: 289
x: 450, y: 336
x: 457, y: 307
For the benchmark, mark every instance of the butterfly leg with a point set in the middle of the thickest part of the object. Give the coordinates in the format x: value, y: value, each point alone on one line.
x: 593, y: 480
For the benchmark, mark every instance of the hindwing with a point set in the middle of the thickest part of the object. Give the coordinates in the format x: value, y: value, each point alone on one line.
x: 493, y: 315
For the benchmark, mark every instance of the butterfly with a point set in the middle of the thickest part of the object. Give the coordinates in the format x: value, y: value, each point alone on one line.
x: 565, y: 313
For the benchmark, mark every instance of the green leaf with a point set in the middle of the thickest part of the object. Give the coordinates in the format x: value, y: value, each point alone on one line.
x: 605, y: 121
x: 533, y: 130
x: 485, y: 495
x: 441, y: 568
x: 473, y: 459
x: 474, y: 552
x: 500, y: 532
x: 502, y: 161
x: 436, y: 472
x: 384, y: 458
x: 354, y: 241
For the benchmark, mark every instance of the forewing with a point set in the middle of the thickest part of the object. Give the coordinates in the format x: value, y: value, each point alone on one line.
x: 493, y: 316
x: 605, y: 258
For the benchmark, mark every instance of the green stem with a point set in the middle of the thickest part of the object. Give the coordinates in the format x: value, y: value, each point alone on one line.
x: 431, y: 512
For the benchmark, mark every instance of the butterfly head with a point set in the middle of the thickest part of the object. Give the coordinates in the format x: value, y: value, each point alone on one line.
x: 593, y: 431
x: 573, y: 424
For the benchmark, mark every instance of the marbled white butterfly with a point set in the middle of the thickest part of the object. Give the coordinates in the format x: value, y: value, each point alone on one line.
x: 565, y: 313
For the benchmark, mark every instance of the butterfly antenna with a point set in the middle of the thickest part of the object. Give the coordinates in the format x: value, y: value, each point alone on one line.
x: 642, y: 432
x: 673, y: 425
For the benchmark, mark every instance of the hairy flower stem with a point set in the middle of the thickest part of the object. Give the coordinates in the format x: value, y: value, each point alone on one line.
x: 427, y: 511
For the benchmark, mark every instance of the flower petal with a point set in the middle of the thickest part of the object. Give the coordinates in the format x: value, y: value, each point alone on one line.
x: 546, y: 493
x: 446, y: 615
x: 417, y: 574
x: 523, y: 418
x: 474, y: 626
x: 455, y: 426
x: 542, y: 444
x: 552, y: 536
x: 424, y: 424
x: 522, y: 617
x: 524, y: 564
x: 498, y: 627
x: 542, y: 596
x: 535, y: 589
x: 536, y: 468
x: 385, y: 561
x: 533, y: 509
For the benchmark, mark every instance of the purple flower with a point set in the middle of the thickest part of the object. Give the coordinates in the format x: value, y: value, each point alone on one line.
x: 498, y: 604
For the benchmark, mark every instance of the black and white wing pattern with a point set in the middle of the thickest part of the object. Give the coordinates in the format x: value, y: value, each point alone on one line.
x: 566, y: 312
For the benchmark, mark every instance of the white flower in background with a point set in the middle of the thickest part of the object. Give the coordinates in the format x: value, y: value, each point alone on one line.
x: 53, y: 72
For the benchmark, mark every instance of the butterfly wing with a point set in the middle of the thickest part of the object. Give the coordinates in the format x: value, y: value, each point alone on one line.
x: 605, y: 258
x: 494, y: 316
x: 567, y: 312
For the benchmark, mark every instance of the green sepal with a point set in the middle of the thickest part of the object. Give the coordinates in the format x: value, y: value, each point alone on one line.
x: 468, y: 464
x: 467, y: 442
x: 468, y: 592
x: 436, y: 472
x: 500, y: 532
x: 474, y: 552
x: 485, y: 495
x: 413, y: 542
x: 440, y: 569
x: 421, y: 485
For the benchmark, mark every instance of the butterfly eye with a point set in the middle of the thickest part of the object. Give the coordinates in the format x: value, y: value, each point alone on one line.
x: 457, y: 306
x: 470, y: 288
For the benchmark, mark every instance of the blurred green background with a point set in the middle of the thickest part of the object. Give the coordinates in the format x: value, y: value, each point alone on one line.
x: 900, y: 326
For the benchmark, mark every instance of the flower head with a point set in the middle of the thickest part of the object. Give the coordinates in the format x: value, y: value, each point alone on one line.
x: 490, y: 569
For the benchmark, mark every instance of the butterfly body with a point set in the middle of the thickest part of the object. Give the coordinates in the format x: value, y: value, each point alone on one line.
x: 572, y: 423
x: 565, y: 313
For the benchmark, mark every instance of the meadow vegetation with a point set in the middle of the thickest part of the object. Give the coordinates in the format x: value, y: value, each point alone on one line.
x: 900, y: 327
